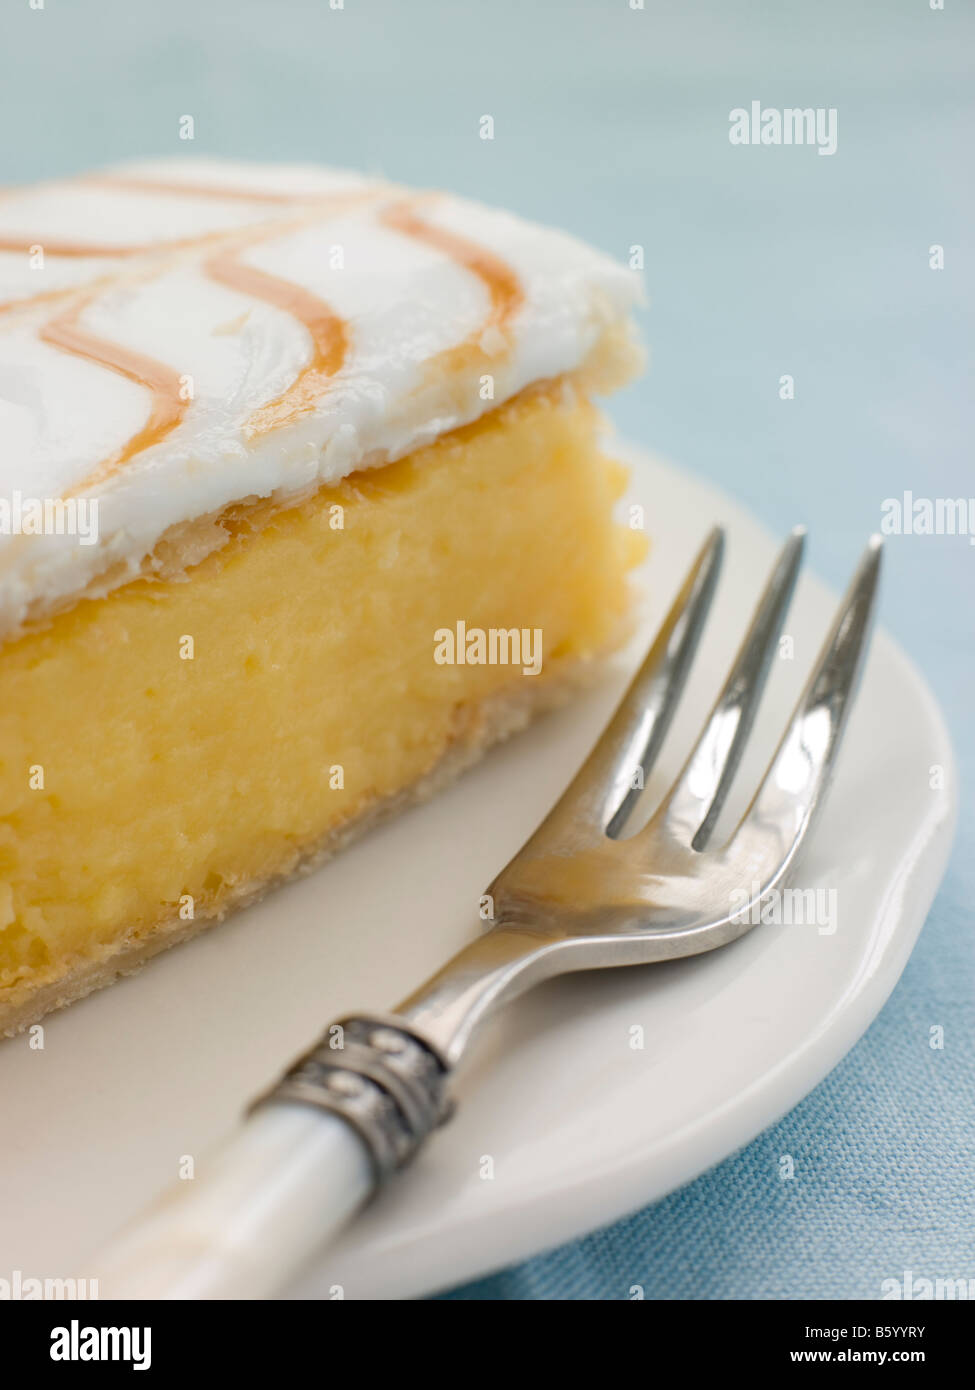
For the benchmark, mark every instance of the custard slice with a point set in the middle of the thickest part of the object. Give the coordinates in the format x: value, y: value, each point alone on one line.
x: 302, y: 505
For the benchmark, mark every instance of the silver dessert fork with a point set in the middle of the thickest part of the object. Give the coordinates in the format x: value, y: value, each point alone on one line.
x: 578, y: 895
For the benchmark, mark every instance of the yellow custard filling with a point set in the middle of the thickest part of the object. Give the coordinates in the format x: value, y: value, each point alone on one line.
x: 168, y: 749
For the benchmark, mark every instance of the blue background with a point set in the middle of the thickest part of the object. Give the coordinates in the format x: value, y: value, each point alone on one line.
x: 613, y: 122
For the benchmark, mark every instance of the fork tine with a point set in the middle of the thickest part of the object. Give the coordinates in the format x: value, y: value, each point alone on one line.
x: 691, y: 807
x: 601, y: 795
x: 794, y: 785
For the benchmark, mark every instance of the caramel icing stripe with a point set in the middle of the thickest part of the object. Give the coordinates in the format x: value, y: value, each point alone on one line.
x: 168, y: 189
x: 329, y: 336
x: 501, y: 282
x: 329, y: 333
x: 80, y: 250
x: 164, y: 384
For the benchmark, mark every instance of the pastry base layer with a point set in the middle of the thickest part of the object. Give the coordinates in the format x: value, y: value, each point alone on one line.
x: 173, y: 749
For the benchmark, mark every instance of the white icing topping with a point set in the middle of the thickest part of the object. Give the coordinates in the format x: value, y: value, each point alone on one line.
x: 349, y: 340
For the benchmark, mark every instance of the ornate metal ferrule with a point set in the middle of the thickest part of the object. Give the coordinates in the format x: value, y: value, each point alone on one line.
x: 379, y: 1077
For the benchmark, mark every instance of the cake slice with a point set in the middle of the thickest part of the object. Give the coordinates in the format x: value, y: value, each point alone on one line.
x: 302, y: 506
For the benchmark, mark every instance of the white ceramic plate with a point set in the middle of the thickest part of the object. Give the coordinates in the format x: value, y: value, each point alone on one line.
x: 579, y: 1126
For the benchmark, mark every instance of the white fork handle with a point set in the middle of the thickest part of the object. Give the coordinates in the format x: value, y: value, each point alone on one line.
x: 286, y: 1181
x: 344, y: 1117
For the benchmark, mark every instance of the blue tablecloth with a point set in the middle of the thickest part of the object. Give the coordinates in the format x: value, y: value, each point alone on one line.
x: 762, y: 262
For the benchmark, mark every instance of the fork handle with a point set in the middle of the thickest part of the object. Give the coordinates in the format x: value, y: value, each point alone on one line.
x: 338, y: 1124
